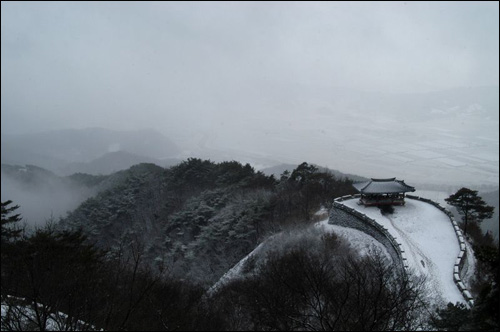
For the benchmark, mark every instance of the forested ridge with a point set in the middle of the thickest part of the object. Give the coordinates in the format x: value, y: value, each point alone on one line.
x: 145, y: 251
x: 199, y: 218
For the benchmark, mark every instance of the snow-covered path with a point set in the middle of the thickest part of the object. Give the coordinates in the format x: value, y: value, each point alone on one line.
x: 429, y: 240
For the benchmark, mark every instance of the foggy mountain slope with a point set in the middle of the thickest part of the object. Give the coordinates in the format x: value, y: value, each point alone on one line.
x: 41, y: 194
x: 56, y: 150
x: 198, y: 218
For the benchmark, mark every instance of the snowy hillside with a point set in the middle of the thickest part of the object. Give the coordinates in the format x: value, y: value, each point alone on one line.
x: 424, y: 231
x: 359, y: 241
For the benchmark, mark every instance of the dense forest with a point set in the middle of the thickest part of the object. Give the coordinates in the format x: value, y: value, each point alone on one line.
x: 145, y: 252
x: 199, y: 218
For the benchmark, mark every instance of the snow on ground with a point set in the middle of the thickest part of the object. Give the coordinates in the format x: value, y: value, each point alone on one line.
x: 236, y: 271
x: 25, y: 318
x: 429, y: 240
x: 361, y: 242
x: 436, y: 196
x: 426, y: 235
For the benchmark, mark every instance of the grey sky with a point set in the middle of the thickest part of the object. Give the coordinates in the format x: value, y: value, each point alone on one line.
x: 127, y: 65
x: 323, y: 82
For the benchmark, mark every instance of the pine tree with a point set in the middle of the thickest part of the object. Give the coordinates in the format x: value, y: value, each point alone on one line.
x: 471, y: 206
x: 9, y: 229
x: 452, y: 318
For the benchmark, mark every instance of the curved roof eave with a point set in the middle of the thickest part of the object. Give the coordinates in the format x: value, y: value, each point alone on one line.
x: 383, y: 186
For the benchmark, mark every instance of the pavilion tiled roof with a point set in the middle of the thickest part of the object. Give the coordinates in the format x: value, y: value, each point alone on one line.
x: 383, y: 186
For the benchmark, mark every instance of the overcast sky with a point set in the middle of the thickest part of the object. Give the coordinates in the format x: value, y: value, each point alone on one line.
x: 138, y: 64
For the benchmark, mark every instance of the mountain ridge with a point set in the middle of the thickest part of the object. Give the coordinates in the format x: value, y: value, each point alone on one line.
x: 57, y: 150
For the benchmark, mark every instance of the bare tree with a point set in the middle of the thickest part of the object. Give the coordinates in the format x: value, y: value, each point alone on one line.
x: 306, y: 289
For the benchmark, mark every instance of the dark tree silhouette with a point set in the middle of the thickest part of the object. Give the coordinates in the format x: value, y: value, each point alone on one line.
x: 470, y: 206
x: 10, y: 231
x: 452, y: 318
x: 322, y: 287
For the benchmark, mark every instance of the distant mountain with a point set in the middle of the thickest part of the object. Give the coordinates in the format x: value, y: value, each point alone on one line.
x: 113, y: 162
x: 279, y: 169
x: 56, y: 150
x: 31, y: 176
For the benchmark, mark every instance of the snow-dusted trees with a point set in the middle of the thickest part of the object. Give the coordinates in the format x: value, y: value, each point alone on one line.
x: 201, y: 217
x: 300, y: 193
x: 322, y: 286
x: 215, y: 230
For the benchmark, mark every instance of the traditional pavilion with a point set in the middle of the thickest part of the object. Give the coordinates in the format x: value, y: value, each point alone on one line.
x: 383, y: 192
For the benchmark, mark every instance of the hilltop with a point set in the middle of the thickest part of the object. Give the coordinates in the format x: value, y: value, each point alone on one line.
x: 199, y: 218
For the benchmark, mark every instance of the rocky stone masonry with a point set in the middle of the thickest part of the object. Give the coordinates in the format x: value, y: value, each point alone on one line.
x: 345, y: 216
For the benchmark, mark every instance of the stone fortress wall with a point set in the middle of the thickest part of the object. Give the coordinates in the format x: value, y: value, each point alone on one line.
x: 345, y: 216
